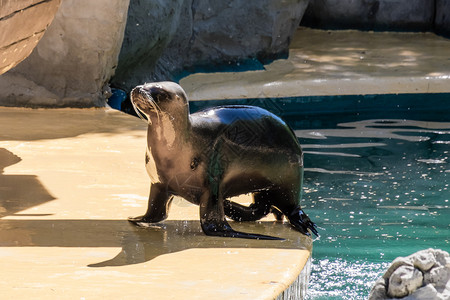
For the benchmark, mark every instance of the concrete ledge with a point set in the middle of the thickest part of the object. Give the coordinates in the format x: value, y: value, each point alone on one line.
x: 338, y: 63
x: 69, y: 178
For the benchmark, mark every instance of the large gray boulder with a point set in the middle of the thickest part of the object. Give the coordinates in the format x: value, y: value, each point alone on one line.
x: 75, y: 59
x: 422, y: 275
x: 22, y: 25
x: 163, y: 38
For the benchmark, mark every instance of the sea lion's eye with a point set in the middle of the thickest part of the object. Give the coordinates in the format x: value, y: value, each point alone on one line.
x: 159, y: 95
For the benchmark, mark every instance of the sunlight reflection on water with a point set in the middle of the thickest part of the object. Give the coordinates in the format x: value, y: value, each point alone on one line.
x: 350, y: 280
x: 379, y: 189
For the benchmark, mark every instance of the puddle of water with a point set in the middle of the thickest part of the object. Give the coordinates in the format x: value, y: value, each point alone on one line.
x: 379, y: 189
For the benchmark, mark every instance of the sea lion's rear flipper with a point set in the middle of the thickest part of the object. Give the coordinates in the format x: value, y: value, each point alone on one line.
x: 223, y: 229
x: 261, y: 207
x: 239, y: 212
x: 300, y: 221
x: 212, y: 220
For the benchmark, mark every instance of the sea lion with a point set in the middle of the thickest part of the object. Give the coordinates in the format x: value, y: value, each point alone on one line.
x: 212, y: 155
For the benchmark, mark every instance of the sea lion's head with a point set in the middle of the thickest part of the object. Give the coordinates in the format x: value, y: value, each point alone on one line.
x: 154, y: 99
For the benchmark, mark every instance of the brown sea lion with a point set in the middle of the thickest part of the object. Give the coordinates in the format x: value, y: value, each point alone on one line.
x: 212, y: 155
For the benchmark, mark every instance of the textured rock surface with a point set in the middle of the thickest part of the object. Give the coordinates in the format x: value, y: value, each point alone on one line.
x: 74, y: 60
x: 422, y: 275
x: 404, y: 281
x: 22, y: 25
x: 164, y: 37
x: 411, y: 15
x: 151, y: 26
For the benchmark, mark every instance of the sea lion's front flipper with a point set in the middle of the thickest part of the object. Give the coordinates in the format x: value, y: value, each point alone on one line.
x: 158, y: 206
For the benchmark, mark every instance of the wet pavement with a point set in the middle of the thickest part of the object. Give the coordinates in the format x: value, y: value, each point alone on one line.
x: 69, y: 178
x: 345, y: 62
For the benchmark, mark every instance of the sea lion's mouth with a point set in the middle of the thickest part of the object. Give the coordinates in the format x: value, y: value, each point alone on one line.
x: 142, y: 100
x: 143, y: 103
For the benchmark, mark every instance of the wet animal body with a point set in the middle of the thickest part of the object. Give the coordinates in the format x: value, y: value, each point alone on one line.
x: 215, y: 154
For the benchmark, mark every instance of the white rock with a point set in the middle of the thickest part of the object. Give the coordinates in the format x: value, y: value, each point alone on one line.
x: 422, y: 275
x: 445, y: 294
x: 378, y: 290
x: 442, y: 257
x: 424, y: 260
x: 396, y: 263
x: 404, y: 281
x: 427, y: 292
x: 438, y: 276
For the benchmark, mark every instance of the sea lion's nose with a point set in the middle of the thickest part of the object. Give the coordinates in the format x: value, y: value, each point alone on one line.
x: 136, y: 91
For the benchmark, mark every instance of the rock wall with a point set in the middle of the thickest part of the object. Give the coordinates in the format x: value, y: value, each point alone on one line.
x: 398, y: 15
x: 442, y: 18
x: 75, y: 59
x: 22, y: 25
x: 165, y: 37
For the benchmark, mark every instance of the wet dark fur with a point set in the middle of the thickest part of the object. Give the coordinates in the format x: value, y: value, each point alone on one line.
x: 215, y: 154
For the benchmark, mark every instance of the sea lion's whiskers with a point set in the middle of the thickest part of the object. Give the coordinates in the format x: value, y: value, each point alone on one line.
x: 140, y: 114
x: 157, y: 108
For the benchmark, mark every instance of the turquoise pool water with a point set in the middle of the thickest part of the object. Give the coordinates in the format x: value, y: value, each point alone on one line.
x: 378, y: 189
x: 376, y: 181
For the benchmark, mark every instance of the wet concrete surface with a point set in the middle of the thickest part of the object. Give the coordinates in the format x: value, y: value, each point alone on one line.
x: 69, y: 178
x: 345, y: 62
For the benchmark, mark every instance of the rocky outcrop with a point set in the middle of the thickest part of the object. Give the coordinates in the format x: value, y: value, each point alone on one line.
x: 163, y: 38
x: 74, y: 61
x: 22, y: 25
x: 422, y: 275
